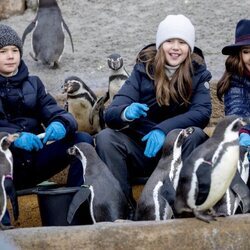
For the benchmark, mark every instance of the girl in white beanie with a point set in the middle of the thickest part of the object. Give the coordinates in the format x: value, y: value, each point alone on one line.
x: 167, y: 89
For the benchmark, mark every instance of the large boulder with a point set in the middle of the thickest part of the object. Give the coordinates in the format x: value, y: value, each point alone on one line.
x: 11, y: 7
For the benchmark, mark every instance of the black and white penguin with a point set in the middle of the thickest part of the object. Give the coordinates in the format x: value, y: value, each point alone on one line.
x: 107, y: 201
x: 48, y: 33
x: 158, y: 194
x: 84, y: 105
x: 237, y: 197
x: 118, y: 74
x: 209, y: 170
x: 6, y: 177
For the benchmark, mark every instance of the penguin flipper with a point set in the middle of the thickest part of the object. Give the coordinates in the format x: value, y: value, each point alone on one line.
x: 204, y: 216
x: 33, y: 57
x: 204, y: 180
x: 97, y: 108
x: 28, y: 29
x: 11, y: 192
x: 240, y: 188
x: 2, y: 200
x: 79, y: 198
x: 69, y: 33
x: 168, y: 192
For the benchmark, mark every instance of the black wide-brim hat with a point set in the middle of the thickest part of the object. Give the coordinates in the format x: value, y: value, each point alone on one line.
x: 242, y: 38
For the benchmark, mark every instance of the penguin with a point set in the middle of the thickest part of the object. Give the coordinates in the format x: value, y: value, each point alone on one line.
x: 158, y: 195
x: 209, y: 170
x: 6, y: 177
x: 237, y: 197
x: 107, y: 200
x: 84, y: 105
x: 48, y: 33
x: 118, y: 74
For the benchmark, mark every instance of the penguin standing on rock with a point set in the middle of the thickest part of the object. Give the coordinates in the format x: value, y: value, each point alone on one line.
x: 237, y: 197
x: 209, y: 170
x: 48, y: 33
x: 6, y: 176
x: 84, y: 105
x: 158, y: 195
x: 107, y: 201
x: 118, y: 74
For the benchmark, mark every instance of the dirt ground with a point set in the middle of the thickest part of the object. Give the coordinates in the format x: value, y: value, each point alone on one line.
x: 100, y: 28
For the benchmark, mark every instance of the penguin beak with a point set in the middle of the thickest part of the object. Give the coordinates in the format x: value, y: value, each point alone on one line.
x: 9, y: 139
x: 72, y: 151
x: 64, y: 87
x: 189, y: 131
x: 245, y: 121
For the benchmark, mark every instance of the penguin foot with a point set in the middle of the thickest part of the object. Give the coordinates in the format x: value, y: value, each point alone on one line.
x: 4, y: 227
x: 204, y: 216
x: 33, y: 57
x: 54, y: 65
x: 122, y: 220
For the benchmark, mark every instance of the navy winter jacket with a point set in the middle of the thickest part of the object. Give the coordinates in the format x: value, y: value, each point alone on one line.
x: 140, y: 88
x: 237, y: 98
x: 25, y: 105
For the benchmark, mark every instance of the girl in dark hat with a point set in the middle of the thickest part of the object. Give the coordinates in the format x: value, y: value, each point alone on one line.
x: 235, y: 82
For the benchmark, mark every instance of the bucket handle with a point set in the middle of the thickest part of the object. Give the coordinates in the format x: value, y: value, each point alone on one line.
x: 79, y: 198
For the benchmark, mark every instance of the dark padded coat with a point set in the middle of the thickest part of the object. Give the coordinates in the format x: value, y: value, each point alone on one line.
x: 140, y: 88
x: 25, y: 105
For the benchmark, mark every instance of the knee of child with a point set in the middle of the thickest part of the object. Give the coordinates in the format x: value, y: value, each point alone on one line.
x: 84, y: 137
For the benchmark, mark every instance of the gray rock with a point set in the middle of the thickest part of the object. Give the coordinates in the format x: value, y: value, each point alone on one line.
x: 11, y: 7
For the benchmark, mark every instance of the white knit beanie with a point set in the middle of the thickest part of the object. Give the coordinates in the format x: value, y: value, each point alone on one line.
x: 176, y: 26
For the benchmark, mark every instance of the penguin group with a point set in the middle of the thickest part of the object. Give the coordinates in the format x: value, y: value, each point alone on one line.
x: 208, y: 172
x: 6, y: 177
x: 107, y: 201
x: 210, y: 182
x: 84, y: 105
x: 48, y: 33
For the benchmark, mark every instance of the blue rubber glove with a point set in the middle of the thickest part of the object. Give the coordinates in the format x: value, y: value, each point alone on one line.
x: 155, y: 140
x: 244, y: 139
x: 28, y: 141
x: 55, y: 131
x: 135, y: 110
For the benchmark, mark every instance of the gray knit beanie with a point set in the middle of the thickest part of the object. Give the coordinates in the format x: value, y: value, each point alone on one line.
x: 8, y: 36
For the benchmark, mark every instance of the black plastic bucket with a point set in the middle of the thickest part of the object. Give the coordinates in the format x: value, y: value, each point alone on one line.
x: 54, y: 207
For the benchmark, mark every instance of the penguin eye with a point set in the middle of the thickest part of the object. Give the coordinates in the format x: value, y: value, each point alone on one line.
x: 5, y: 144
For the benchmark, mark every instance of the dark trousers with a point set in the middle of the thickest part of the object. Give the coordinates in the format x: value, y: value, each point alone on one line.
x: 31, y: 168
x: 126, y: 158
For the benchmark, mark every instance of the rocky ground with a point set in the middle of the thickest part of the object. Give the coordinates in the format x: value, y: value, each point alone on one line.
x: 100, y: 28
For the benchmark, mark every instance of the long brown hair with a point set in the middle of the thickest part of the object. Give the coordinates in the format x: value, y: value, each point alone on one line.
x: 179, y: 88
x: 233, y: 66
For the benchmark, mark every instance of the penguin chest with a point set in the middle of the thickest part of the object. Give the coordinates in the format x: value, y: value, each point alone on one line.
x: 81, y: 111
x: 223, y: 171
x: 114, y: 86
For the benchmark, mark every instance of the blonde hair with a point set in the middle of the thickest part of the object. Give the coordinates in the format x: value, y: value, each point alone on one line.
x: 234, y: 66
x: 179, y: 88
